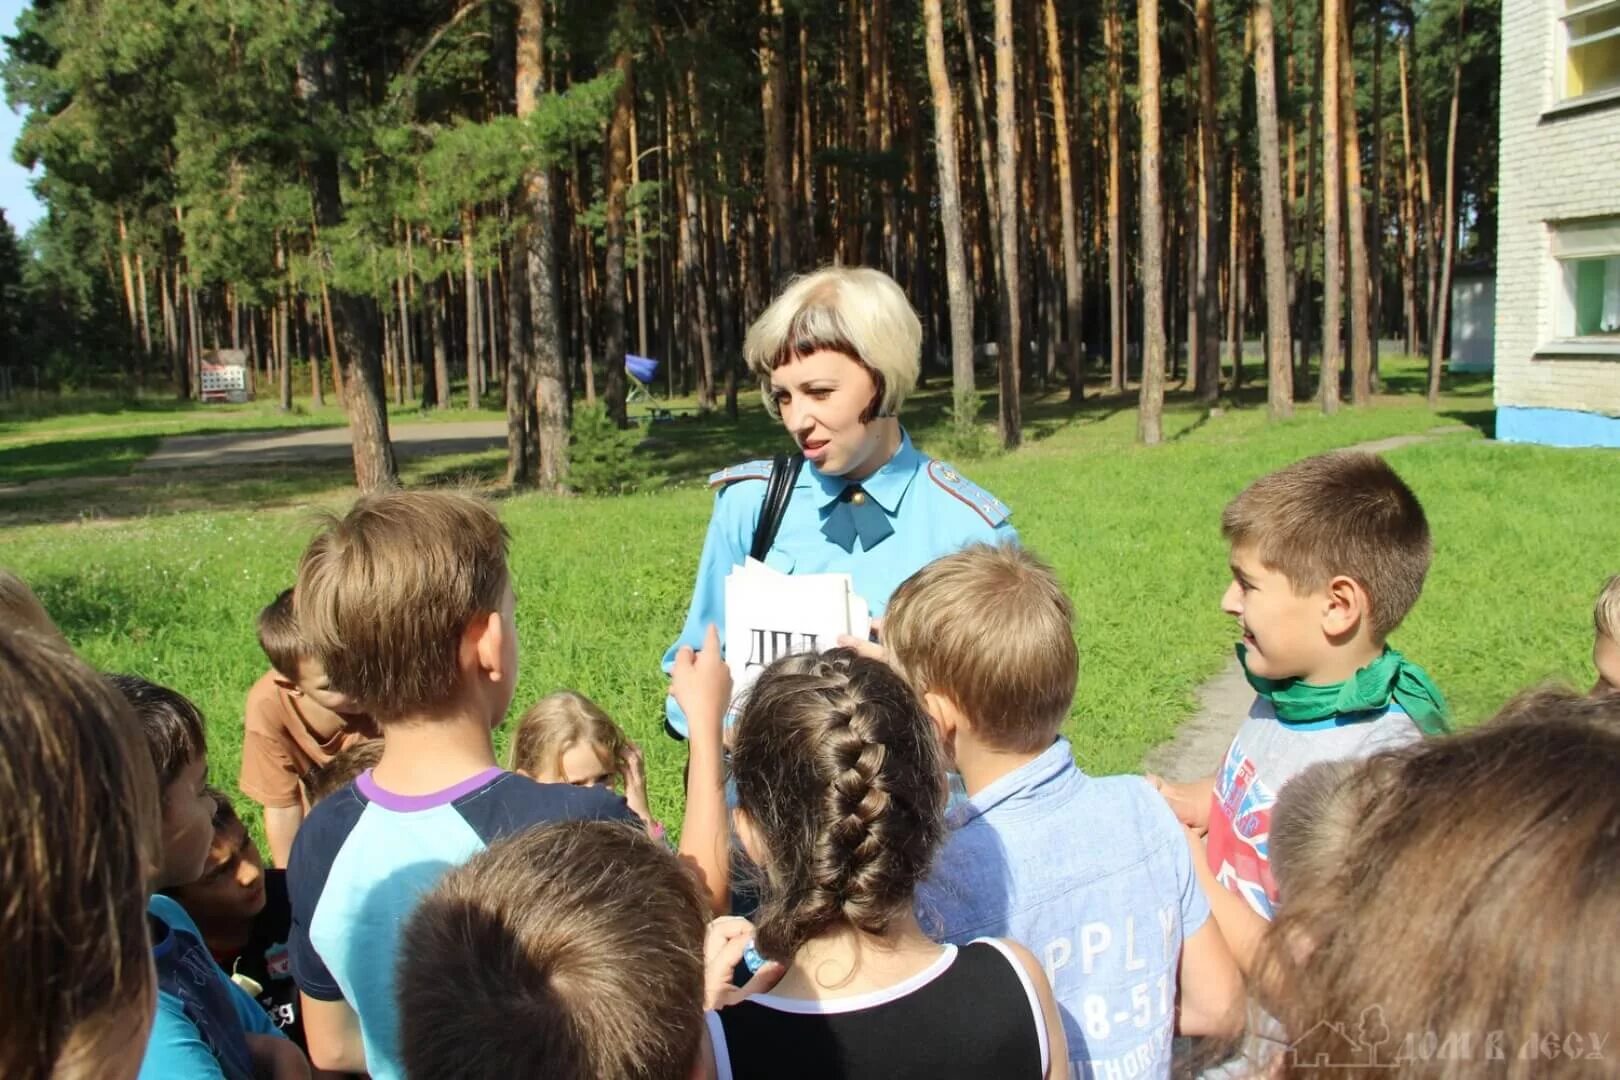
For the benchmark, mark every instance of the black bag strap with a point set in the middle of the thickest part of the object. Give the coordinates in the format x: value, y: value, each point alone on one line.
x: 784, y: 472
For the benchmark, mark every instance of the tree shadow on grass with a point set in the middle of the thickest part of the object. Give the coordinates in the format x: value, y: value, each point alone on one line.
x: 91, y: 500
x: 85, y: 456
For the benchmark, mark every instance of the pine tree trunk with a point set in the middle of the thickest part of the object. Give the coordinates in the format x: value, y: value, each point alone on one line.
x: 329, y: 325
x: 312, y: 346
x: 129, y: 282
x: 473, y: 323
x: 1073, y: 297
x: 612, y: 298
x: 778, y: 197
x: 283, y: 348
x: 989, y: 204
x: 1206, y: 364
x: 1360, y: 280
x: 171, y: 331
x: 1279, y: 338
x: 437, y: 299
x: 1150, y: 424
x: 1010, y: 353
x: 1114, y: 47
x: 1429, y: 238
x: 140, y: 290
x: 1306, y: 298
x: 1332, y: 230
x: 1409, y: 217
x: 1234, y: 271
x: 550, y: 440
x: 638, y: 230
x: 950, y: 207
x: 1375, y: 210
x: 520, y: 455
x: 354, y: 317
x: 697, y: 288
x: 1442, y: 303
x: 725, y: 294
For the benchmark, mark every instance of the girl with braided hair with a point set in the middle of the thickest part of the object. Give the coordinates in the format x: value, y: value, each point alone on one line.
x: 841, y: 797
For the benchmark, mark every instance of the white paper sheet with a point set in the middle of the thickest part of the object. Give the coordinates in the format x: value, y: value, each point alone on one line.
x: 770, y: 614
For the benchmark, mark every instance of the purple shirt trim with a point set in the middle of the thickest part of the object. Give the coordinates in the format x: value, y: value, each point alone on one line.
x: 406, y: 804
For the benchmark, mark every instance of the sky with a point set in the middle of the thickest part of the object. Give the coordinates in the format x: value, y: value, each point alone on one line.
x: 22, y: 209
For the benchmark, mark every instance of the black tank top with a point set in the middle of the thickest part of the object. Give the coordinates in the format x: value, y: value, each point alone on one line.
x: 973, y: 1013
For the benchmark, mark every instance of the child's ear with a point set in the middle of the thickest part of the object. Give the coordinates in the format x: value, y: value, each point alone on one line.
x: 487, y: 636
x: 1347, y: 606
x: 947, y: 719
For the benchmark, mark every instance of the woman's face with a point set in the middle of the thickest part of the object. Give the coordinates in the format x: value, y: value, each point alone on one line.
x: 821, y: 398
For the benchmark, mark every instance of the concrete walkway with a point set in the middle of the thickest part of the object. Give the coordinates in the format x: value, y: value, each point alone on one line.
x: 1223, y: 701
x: 318, y: 444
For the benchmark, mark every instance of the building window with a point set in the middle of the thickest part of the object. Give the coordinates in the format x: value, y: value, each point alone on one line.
x: 1591, y: 47
x: 1587, y: 254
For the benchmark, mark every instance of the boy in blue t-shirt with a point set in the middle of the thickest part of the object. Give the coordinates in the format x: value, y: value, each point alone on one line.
x: 1093, y: 874
x: 206, y: 1027
x: 407, y: 604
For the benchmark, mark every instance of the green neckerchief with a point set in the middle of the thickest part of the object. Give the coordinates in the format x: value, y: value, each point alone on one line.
x: 1391, y: 676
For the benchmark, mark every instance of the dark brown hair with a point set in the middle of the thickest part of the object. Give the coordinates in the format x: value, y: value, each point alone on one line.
x: 20, y: 609
x: 78, y: 832
x: 173, y: 727
x: 533, y: 959
x: 991, y: 629
x: 1478, y: 898
x: 556, y: 722
x: 278, y: 635
x: 1340, y: 513
x: 1312, y: 823
x: 348, y: 763
x: 840, y: 771
x: 385, y: 592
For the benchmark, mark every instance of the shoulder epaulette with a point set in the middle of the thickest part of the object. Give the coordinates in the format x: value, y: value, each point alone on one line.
x: 986, y: 505
x: 748, y: 470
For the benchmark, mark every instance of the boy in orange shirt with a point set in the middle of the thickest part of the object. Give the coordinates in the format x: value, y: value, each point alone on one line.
x: 293, y: 722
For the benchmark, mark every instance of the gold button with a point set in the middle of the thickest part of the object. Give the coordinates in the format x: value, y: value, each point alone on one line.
x: 858, y: 498
x: 951, y: 476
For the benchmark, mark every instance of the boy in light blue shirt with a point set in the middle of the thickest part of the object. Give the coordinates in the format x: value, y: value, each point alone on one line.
x: 1093, y: 874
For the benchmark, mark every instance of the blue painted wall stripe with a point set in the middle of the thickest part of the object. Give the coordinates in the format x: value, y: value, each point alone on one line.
x: 1556, y: 427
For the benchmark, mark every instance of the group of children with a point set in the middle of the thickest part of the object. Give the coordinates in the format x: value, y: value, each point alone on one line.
x: 442, y: 916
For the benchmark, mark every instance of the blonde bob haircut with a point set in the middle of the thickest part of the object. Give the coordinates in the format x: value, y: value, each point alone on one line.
x: 853, y: 310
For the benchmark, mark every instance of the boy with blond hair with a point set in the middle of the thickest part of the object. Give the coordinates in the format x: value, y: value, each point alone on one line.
x: 407, y: 604
x: 293, y: 722
x: 1606, y: 638
x: 1093, y: 874
x: 1327, y: 555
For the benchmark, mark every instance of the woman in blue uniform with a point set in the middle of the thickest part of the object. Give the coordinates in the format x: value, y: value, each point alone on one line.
x: 836, y: 354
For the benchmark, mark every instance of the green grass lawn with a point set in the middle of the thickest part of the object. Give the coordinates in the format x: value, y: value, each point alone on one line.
x: 1524, y: 536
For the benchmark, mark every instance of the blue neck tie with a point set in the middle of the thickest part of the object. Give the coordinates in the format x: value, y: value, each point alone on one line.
x: 857, y: 514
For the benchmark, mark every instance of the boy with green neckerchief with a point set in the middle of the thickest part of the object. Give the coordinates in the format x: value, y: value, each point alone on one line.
x: 1327, y: 556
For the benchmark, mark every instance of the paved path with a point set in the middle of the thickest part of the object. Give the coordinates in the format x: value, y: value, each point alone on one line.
x: 319, y: 444
x: 1223, y: 701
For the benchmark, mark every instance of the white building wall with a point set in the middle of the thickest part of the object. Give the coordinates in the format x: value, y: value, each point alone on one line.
x: 1552, y: 168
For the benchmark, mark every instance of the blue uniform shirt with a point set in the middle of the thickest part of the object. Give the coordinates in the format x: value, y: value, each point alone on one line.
x: 932, y: 508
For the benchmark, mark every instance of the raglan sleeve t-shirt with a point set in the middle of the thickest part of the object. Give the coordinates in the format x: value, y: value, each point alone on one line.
x: 364, y: 858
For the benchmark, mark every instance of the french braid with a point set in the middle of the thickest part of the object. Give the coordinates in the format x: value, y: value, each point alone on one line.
x: 840, y: 771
